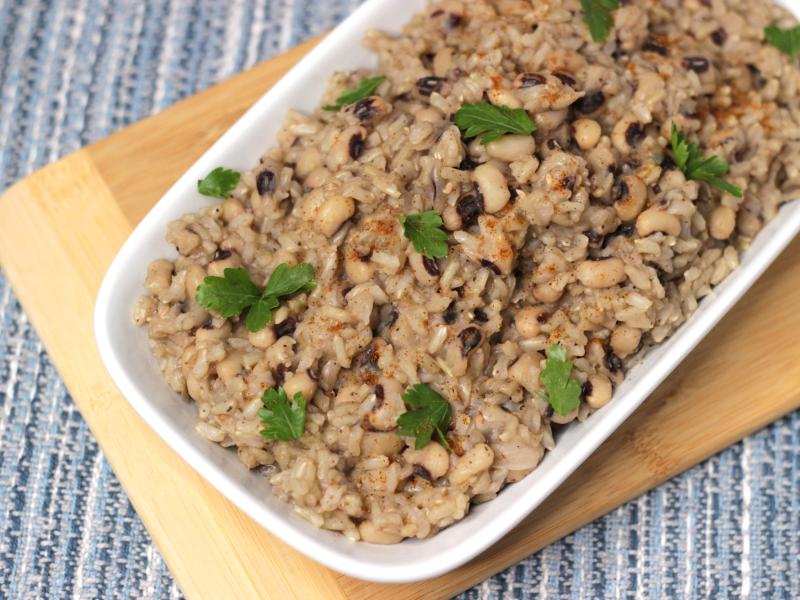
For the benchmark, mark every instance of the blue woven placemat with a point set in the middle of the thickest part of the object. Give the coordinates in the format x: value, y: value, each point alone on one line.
x: 74, y: 71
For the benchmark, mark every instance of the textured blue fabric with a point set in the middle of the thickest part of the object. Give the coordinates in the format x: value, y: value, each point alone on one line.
x: 74, y: 71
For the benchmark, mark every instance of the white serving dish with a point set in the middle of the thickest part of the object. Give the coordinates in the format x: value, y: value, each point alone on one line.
x: 127, y: 357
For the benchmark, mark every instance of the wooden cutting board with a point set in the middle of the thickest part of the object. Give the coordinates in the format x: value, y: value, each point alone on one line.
x: 59, y: 230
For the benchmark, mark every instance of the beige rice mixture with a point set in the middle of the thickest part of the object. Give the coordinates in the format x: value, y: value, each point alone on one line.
x: 584, y: 234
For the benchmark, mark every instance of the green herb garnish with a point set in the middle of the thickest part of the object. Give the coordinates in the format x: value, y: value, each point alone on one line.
x: 597, y: 14
x: 219, y: 183
x: 694, y: 166
x: 785, y: 40
x: 431, y: 413
x: 366, y: 87
x: 283, y: 420
x: 563, y: 391
x: 491, y: 122
x: 231, y: 294
x: 426, y: 234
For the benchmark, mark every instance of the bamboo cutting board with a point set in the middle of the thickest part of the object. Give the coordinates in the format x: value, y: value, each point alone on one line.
x: 59, y: 230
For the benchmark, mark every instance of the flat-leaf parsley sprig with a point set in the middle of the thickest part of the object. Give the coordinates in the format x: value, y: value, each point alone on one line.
x: 218, y: 183
x: 283, y: 419
x: 231, y: 294
x: 694, y: 166
x: 598, y: 17
x: 366, y: 87
x: 430, y: 413
x: 562, y: 391
x: 426, y: 234
x: 785, y: 40
x: 492, y: 121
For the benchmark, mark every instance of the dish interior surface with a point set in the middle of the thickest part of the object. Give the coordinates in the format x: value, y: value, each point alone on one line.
x: 125, y: 351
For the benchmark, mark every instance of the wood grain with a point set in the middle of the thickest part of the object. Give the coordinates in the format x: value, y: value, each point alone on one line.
x: 59, y: 230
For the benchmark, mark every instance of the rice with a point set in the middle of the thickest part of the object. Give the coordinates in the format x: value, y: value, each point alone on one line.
x: 585, y: 235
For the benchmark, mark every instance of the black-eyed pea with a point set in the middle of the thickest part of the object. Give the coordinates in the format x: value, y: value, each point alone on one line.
x: 564, y: 419
x: 309, y: 160
x: 215, y: 334
x: 493, y: 186
x: 376, y: 443
x: 348, y: 146
x: 748, y: 223
x: 634, y: 196
x: 231, y: 209
x: 625, y: 340
x: 159, y: 276
x: 428, y: 115
x: 300, y: 382
x: 527, y: 321
x: 332, y: 213
x: 425, y: 270
x: 263, y: 338
x: 722, y: 222
x: 587, y: 133
x: 474, y: 461
x: 229, y: 367
x: 504, y: 97
x: 451, y: 218
x: 603, y: 273
x: 510, y: 148
x: 369, y: 532
x: 358, y: 269
x: 550, y: 119
x: 654, y: 219
x: 217, y: 267
x: 525, y: 371
x: 600, y: 392
x: 434, y: 459
x: 548, y: 292
x: 317, y: 178
x: 627, y: 134
x: 195, y: 274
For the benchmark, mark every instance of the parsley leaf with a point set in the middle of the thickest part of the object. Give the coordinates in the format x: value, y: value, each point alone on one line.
x: 230, y: 295
x: 491, y: 122
x: 425, y: 232
x: 366, y: 87
x: 694, y: 166
x: 219, y: 183
x: 598, y: 17
x: 260, y: 313
x: 563, y: 391
x: 430, y: 413
x: 283, y: 420
x: 785, y: 40
x: 286, y: 280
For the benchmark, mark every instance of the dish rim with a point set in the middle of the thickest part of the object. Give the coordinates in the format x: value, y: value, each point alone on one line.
x: 316, y: 543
